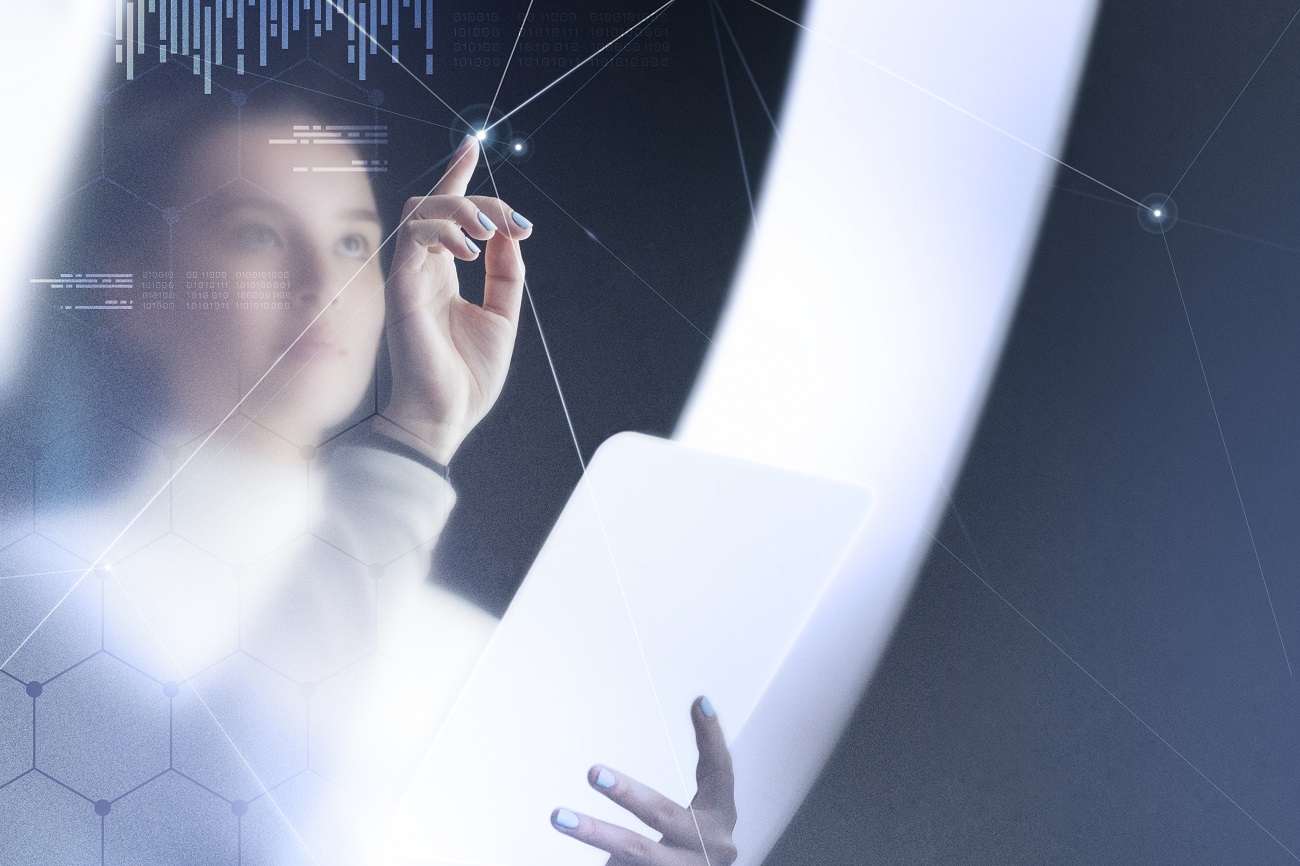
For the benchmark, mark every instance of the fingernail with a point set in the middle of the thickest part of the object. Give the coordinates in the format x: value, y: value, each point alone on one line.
x: 520, y: 220
x: 564, y: 818
x: 605, y: 779
x: 465, y: 142
x: 473, y: 246
x: 706, y: 707
x: 485, y: 222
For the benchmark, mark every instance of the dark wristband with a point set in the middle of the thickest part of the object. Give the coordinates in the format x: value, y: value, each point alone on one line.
x: 381, y: 442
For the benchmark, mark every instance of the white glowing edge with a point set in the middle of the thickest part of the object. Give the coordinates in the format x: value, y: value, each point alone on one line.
x: 870, y: 308
x: 48, y: 73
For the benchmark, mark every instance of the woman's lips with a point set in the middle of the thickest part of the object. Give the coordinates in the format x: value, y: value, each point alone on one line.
x: 314, y: 345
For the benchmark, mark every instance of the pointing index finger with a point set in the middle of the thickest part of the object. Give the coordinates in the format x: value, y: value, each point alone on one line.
x: 460, y: 167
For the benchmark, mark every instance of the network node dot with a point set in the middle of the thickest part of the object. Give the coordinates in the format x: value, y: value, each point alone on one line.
x: 34, y: 689
x: 239, y: 97
x: 171, y: 690
x: 518, y: 146
x: 1157, y: 213
x: 308, y: 689
x: 239, y: 808
x: 171, y: 215
x: 376, y: 570
x: 375, y: 97
x: 103, y: 807
x: 308, y: 452
x: 487, y: 123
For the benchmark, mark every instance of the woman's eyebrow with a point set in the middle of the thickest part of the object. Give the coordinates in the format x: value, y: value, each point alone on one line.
x: 226, y: 204
x: 360, y: 213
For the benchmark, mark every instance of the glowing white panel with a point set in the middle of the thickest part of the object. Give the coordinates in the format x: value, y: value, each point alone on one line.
x: 671, y: 573
x: 48, y: 71
x: 872, y: 302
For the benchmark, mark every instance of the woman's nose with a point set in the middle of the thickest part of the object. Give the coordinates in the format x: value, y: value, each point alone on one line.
x: 308, y: 275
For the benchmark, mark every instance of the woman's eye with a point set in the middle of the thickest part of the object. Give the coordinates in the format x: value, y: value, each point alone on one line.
x: 256, y: 236
x: 353, y: 246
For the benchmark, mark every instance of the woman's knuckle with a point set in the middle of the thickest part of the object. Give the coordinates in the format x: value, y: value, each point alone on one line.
x: 665, y: 811
x: 638, y: 849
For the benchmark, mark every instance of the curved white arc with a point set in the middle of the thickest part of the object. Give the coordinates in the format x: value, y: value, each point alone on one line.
x: 869, y: 312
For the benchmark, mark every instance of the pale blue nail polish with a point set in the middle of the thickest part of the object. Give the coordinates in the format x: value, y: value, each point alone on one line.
x: 706, y: 707
x: 605, y: 779
x: 485, y: 222
x: 473, y: 246
x: 520, y: 220
x: 566, y: 819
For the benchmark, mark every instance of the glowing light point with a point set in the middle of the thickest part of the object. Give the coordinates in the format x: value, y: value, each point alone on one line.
x: 1157, y: 213
x: 518, y: 146
x: 481, y: 134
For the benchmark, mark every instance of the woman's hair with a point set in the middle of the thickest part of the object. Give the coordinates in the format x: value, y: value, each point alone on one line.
x: 84, y: 398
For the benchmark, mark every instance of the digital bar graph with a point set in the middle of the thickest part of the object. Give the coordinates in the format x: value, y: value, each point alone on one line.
x: 197, y: 30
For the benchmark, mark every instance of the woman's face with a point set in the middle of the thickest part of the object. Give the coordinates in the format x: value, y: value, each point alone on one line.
x: 285, y: 258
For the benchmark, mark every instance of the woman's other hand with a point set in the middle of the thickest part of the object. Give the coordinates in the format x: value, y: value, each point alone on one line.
x: 688, y: 832
x: 450, y: 356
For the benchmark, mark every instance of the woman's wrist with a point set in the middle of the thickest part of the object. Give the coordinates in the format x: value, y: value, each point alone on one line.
x: 434, y: 447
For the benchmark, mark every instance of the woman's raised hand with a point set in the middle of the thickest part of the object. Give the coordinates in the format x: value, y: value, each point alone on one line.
x: 450, y: 356
x: 698, y: 835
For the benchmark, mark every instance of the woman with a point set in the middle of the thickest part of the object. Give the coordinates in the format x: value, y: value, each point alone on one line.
x: 255, y: 430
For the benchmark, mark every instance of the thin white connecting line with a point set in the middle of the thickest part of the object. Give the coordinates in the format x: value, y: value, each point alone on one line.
x: 377, y: 44
x: 274, y: 364
x: 198, y: 449
x: 961, y: 523
x: 749, y: 72
x: 611, y: 252
x: 599, y: 69
x: 731, y: 107
x: 1223, y: 440
x: 586, y: 482
x: 40, y: 573
x: 576, y: 66
x: 1181, y: 220
x: 954, y: 106
x: 1234, y: 102
x: 277, y: 361
x: 522, y: 24
x: 1191, y: 330
x: 1112, y: 695
x: 640, y: 24
x: 185, y: 678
